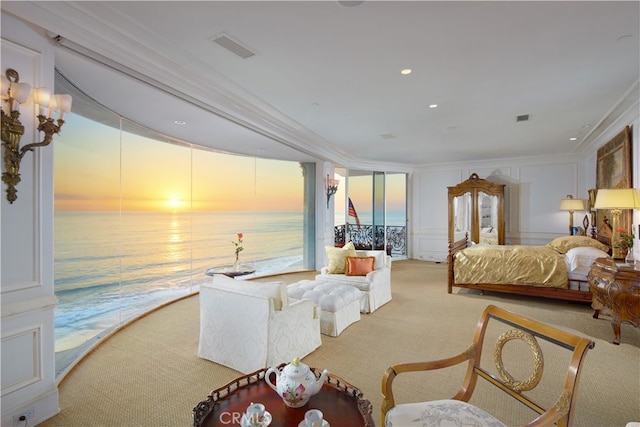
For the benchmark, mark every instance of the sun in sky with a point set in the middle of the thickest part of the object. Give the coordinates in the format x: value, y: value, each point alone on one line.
x: 174, y: 203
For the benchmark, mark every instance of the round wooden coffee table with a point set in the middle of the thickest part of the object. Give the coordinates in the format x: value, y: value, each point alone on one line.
x: 340, y: 402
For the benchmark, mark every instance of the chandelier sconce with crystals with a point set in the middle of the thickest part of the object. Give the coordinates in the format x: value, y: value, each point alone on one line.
x: 332, y: 186
x: 13, y: 94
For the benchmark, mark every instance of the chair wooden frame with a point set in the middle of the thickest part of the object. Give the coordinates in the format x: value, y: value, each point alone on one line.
x: 560, y: 413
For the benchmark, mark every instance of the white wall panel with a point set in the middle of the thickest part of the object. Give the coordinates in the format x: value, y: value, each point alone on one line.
x: 20, y: 243
x: 21, y: 359
x: 542, y: 186
x: 26, y: 286
x: 533, y: 189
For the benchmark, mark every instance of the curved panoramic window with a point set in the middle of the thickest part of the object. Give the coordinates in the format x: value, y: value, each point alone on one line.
x: 139, y: 217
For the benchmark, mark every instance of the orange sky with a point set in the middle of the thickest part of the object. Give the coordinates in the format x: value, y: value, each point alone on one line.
x: 166, y: 177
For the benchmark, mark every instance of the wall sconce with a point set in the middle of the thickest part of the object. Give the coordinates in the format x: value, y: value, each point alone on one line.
x: 332, y: 186
x: 615, y: 200
x: 571, y: 205
x: 13, y: 93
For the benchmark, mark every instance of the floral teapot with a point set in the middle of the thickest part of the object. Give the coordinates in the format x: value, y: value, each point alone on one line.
x: 296, y: 383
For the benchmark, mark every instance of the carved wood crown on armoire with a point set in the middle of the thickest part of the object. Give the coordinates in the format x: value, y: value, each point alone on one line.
x: 476, y: 207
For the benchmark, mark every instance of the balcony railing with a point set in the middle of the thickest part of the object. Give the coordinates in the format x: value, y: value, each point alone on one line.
x: 363, y: 236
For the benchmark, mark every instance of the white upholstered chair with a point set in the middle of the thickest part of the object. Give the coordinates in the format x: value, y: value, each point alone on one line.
x: 248, y: 325
x: 375, y: 285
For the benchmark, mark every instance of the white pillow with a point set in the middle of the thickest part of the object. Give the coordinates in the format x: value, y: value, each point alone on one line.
x: 378, y: 255
x: 583, y: 256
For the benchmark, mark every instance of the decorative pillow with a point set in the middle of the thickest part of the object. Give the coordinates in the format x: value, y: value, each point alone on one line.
x: 583, y: 256
x: 380, y: 257
x: 563, y: 244
x: 337, y: 257
x: 359, y: 266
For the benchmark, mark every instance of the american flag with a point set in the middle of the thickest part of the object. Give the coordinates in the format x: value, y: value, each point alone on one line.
x: 353, y: 213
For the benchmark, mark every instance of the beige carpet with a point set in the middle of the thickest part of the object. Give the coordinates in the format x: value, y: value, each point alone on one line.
x: 148, y: 374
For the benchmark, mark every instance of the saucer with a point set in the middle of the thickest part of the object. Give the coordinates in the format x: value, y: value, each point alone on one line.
x: 325, y: 423
x: 244, y: 422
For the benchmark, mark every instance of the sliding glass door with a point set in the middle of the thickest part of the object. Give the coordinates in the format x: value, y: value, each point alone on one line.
x: 373, y: 210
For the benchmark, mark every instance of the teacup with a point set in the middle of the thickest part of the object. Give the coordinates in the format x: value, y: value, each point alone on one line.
x: 255, y: 414
x: 313, y: 418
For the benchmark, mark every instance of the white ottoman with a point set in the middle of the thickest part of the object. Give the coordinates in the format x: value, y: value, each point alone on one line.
x: 340, y: 304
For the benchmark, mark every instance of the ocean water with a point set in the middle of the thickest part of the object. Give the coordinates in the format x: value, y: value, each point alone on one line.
x: 111, y: 266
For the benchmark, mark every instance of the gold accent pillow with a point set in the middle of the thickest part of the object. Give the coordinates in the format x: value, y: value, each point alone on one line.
x: 359, y: 266
x: 337, y: 257
x: 564, y: 244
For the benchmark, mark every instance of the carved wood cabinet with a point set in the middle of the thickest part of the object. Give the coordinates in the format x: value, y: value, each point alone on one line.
x: 616, y: 292
x: 476, y: 207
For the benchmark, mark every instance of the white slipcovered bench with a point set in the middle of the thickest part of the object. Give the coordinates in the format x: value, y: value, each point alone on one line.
x: 340, y: 304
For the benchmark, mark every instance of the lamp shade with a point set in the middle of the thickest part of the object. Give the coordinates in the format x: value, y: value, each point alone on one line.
x: 619, y: 198
x: 571, y: 204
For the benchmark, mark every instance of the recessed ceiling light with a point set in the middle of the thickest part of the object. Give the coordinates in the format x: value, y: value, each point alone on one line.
x: 433, y: 106
x: 406, y: 71
x: 347, y: 3
x: 573, y: 139
x: 180, y: 122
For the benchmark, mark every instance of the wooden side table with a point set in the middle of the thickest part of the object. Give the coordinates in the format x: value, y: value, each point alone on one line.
x: 616, y: 293
x: 340, y: 402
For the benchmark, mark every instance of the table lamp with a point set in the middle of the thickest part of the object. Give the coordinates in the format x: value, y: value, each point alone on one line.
x: 571, y: 205
x: 615, y: 200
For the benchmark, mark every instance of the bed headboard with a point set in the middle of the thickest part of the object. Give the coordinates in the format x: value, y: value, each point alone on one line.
x: 604, y: 234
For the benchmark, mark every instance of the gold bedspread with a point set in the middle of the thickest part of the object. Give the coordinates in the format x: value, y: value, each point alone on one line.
x: 510, y: 265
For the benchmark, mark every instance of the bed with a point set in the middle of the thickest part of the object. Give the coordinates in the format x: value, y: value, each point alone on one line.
x: 557, y: 270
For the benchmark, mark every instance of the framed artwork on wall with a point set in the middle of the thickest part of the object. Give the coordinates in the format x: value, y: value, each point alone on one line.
x: 613, y: 170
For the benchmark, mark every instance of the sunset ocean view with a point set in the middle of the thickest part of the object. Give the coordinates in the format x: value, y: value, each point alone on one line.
x: 111, y: 267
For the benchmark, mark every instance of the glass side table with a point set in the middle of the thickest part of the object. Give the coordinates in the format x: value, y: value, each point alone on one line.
x: 232, y: 270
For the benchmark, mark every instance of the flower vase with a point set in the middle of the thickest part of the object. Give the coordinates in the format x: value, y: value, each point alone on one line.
x: 236, y: 265
x: 629, y: 257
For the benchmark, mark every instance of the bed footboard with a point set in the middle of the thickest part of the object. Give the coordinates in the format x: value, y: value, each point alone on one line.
x: 454, y: 247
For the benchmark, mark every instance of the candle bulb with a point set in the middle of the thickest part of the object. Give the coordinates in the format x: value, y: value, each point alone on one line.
x: 4, y: 87
x: 41, y: 96
x: 64, y: 104
x: 53, y: 106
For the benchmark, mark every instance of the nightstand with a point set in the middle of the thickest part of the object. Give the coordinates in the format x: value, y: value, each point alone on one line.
x: 616, y: 293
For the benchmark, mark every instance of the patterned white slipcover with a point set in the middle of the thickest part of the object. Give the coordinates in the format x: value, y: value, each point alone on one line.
x: 248, y: 325
x: 440, y: 413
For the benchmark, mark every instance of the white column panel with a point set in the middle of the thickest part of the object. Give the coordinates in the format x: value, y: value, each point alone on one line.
x: 26, y: 287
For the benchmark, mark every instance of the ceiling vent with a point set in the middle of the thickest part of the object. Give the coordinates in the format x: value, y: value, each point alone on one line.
x: 386, y: 136
x: 232, y: 46
x: 522, y: 118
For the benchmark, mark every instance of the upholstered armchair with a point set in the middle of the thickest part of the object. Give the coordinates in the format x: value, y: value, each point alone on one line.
x: 374, y: 282
x: 553, y: 357
x: 249, y: 325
